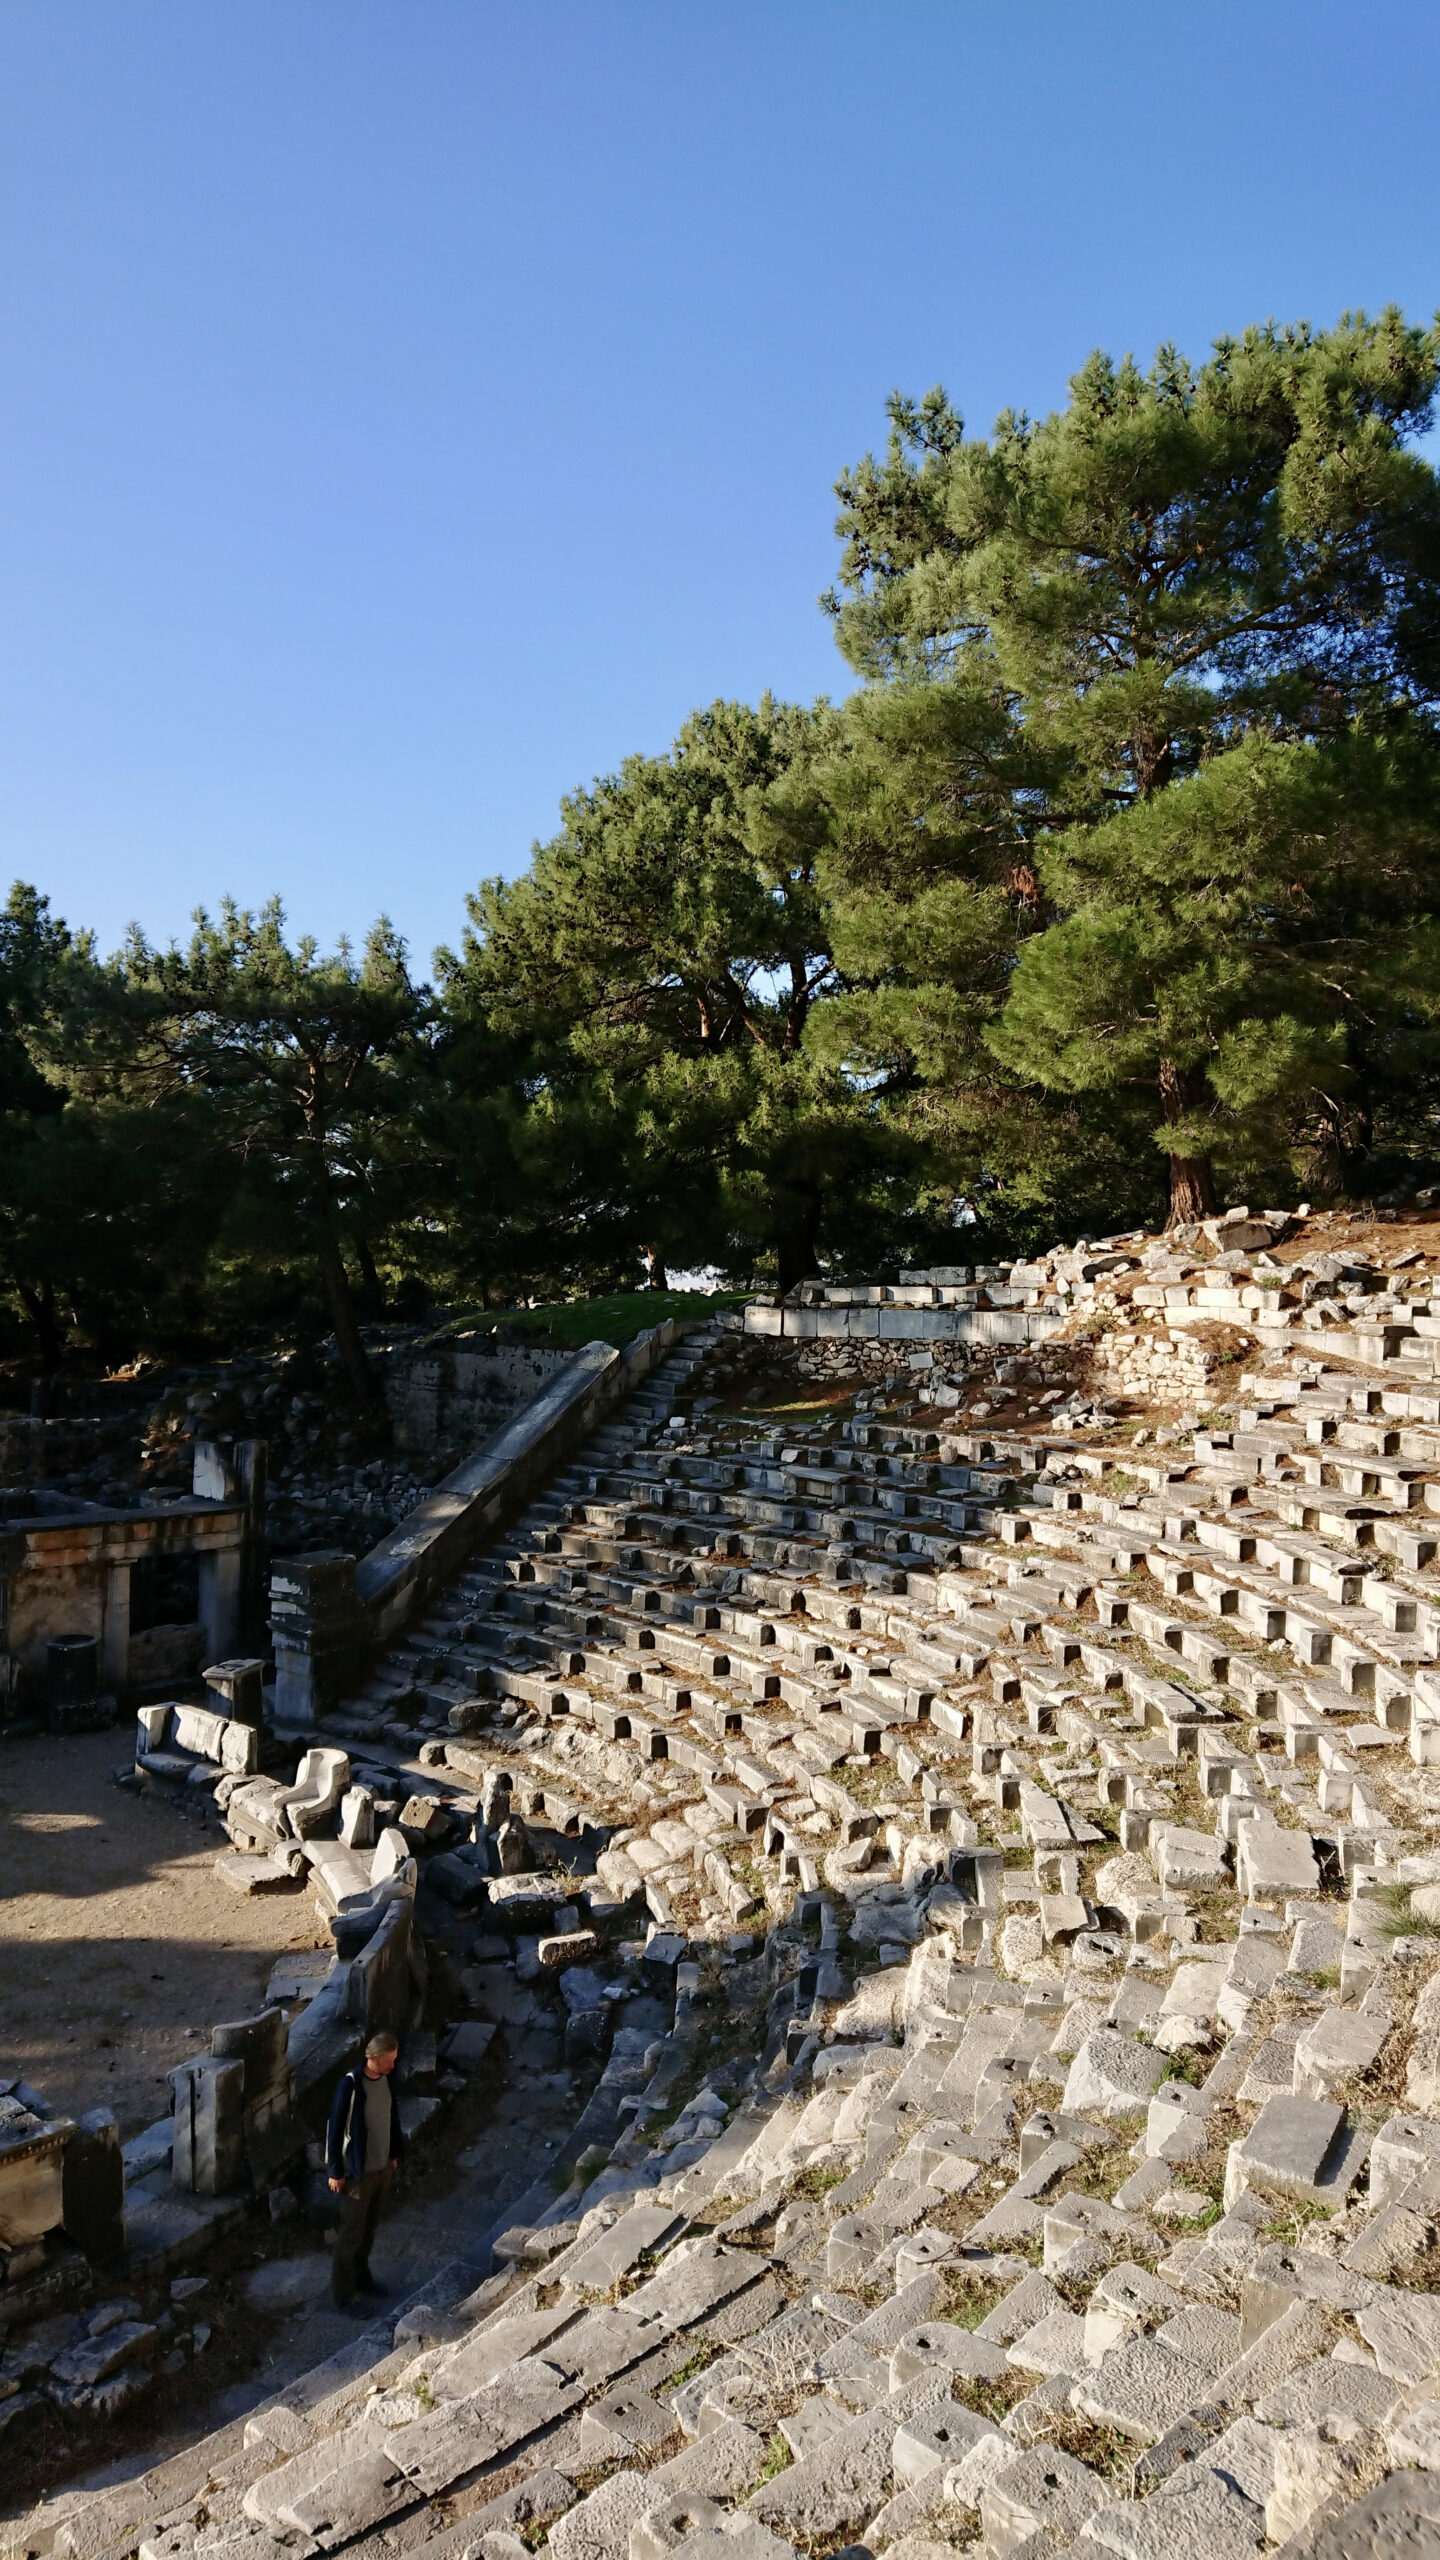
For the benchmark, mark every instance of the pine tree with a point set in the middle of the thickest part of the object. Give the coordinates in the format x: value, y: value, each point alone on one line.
x: 1179, y: 563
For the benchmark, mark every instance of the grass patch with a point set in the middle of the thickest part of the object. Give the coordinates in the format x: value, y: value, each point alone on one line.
x: 821, y: 2546
x: 1188, y: 2065
x: 1401, y: 1920
x: 869, y: 1785
x: 697, y: 2363
x: 1102, y: 2175
x: 1289, y: 2225
x: 1421, y: 2273
x: 816, y: 2183
x: 1101, y: 2448
x: 778, y: 2457
x: 992, y: 2400
x: 872, y: 2294
x: 962, y: 2301
x: 594, y: 2475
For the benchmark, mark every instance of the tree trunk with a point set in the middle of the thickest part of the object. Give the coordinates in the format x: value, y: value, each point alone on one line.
x: 372, y: 1287
x: 797, y: 1230
x: 1192, y: 1191
x: 1192, y: 1178
x: 44, y: 1314
x: 341, y: 1300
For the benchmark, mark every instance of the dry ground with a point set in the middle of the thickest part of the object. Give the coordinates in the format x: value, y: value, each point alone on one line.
x: 119, y: 1949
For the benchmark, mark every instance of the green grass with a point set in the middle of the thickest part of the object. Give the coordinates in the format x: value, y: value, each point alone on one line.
x: 571, y: 1323
x: 1290, y: 2225
x: 818, y: 2182
x: 1402, y: 1921
x: 703, y: 2356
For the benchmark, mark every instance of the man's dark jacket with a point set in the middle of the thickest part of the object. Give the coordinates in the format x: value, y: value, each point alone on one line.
x: 345, y: 2139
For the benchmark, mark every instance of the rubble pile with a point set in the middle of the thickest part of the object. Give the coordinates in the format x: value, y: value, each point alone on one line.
x: 329, y: 1481
x: 1035, y: 1822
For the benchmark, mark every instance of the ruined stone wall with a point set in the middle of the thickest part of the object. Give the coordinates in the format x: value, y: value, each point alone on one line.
x: 38, y: 1451
x: 446, y: 1399
x: 1163, y: 1368
x: 868, y: 1363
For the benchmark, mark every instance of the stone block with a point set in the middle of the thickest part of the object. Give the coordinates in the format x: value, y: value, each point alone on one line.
x: 1402, y: 2329
x: 940, y: 2343
x: 1405, y: 2148
x: 1175, y: 2123
x: 467, y: 2045
x: 1341, y: 2042
x: 1272, y: 1865
x: 1063, y: 1916
x: 1413, y: 2439
x: 689, y: 2288
x: 933, y: 2441
x: 355, y: 2498
x: 1193, y: 1992
x: 731, y: 2538
x: 1044, y: 2492
x: 599, y: 2528
x: 1142, y: 2388
x: 196, y: 1729
x: 495, y: 2346
x: 1122, y: 2306
x: 207, y: 2149
x: 1399, y: 2520
x: 1287, y: 2152
x: 671, y: 2521
x: 623, y: 2423
x: 1055, y: 2344
x: 93, y: 2360
x: 612, y: 2254
x: 239, y: 1749
x: 1111, y: 2075
x: 1187, y: 1861
x: 1197, y: 2514
x: 237, y: 1688
x: 1278, y: 2277
x: 1032, y: 2299
x: 459, y: 2438
x: 1329, y: 2389
x: 571, y: 1947
x: 878, y: 2333
x: 357, y: 1818
x: 845, y: 2478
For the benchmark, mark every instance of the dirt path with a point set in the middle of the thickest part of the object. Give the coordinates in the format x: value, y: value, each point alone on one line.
x: 118, y: 1947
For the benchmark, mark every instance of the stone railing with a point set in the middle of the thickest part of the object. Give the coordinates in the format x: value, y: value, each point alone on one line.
x: 329, y: 1615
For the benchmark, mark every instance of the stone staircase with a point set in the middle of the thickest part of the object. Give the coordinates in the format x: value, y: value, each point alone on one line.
x: 1038, y: 1835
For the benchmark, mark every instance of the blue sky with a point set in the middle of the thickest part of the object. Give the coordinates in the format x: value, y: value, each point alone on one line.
x: 409, y: 408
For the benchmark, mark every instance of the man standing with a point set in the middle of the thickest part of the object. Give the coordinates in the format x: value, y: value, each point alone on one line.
x: 363, y: 2146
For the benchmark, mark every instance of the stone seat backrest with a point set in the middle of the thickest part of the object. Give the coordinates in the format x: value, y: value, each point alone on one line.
x: 320, y: 1782
x: 197, y: 1734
